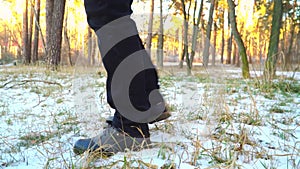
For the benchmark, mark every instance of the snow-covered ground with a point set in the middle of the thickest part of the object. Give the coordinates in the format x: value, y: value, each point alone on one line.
x: 219, y: 120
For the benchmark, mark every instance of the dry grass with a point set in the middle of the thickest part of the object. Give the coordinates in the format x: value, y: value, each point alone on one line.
x: 229, y: 133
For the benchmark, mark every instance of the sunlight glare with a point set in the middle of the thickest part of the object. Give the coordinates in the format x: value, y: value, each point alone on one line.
x: 5, y: 13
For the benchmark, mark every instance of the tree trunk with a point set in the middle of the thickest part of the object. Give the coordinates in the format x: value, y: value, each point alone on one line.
x: 26, y: 50
x: 234, y: 56
x: 208, y: 34
x: 237, y: 57
x: 284, y: 35
x: 297, y: 49
x: 96, y: 51
x: 203, y: 38
x: 194, y: 40
x: 185, y: 35
x: 93, y: 55
x: 160, y: 50
x: 213, y: 59
x: 36, y: 32
x: 67, y: 39
x: 195, y: 32
x: 288, y: 58
x: 270, y: 65
x: 30, y: 29
x: 229, y: 42
x: 49, y: 13
x: 150, y: 28
x: 239, y: 41
x: 184, y: 41
x: 90, y: 45
x: 223, y: 38
x: 55, y: 40
x: 213, y: 62
x: 291, y: 42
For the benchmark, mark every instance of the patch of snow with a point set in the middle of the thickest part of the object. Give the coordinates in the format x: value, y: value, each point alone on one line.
x: 79, y: 109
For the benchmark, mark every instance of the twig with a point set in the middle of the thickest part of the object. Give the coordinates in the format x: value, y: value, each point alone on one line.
x: 40, y: 101
x: 22, y: 82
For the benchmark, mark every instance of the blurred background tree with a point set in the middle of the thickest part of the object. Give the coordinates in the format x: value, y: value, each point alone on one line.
x: 195, y: 32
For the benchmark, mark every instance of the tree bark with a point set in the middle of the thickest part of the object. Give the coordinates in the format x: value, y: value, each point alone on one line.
x: 213, y: 59
x: 49, y: 13
x: 67, y: 39
x: 96, y: 52
x: 36, y: 32
x: 55, y: 40
x: 160, y: 47
x: 239, y: 41
x: 208, y: 34
x: 237, y: 57
x: 233, y: 54
x: 185, y: 41
x: 195, y: 32
x: 213, y: 62
x: 90, y: 45
x: 297, y: 49
x: 223, y: 37
x: 229, y: 42
x: 185, y: 36
x: 25, y: 38
x: 30, y: 29
x: 270, y: 65
x: 288, y: 58
x: 150, y: 28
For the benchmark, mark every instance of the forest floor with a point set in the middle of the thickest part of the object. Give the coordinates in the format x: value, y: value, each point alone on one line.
x: 219, y: 120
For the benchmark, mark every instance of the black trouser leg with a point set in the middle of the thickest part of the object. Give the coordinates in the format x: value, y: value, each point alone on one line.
x: 99, y: 13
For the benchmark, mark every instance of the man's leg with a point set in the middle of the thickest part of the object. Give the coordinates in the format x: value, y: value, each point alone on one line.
x: 113, y: 54
x: 137, y: 91
x: 101, y: 13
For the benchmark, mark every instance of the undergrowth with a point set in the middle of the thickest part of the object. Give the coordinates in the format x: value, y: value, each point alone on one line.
x: 238, y: 129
